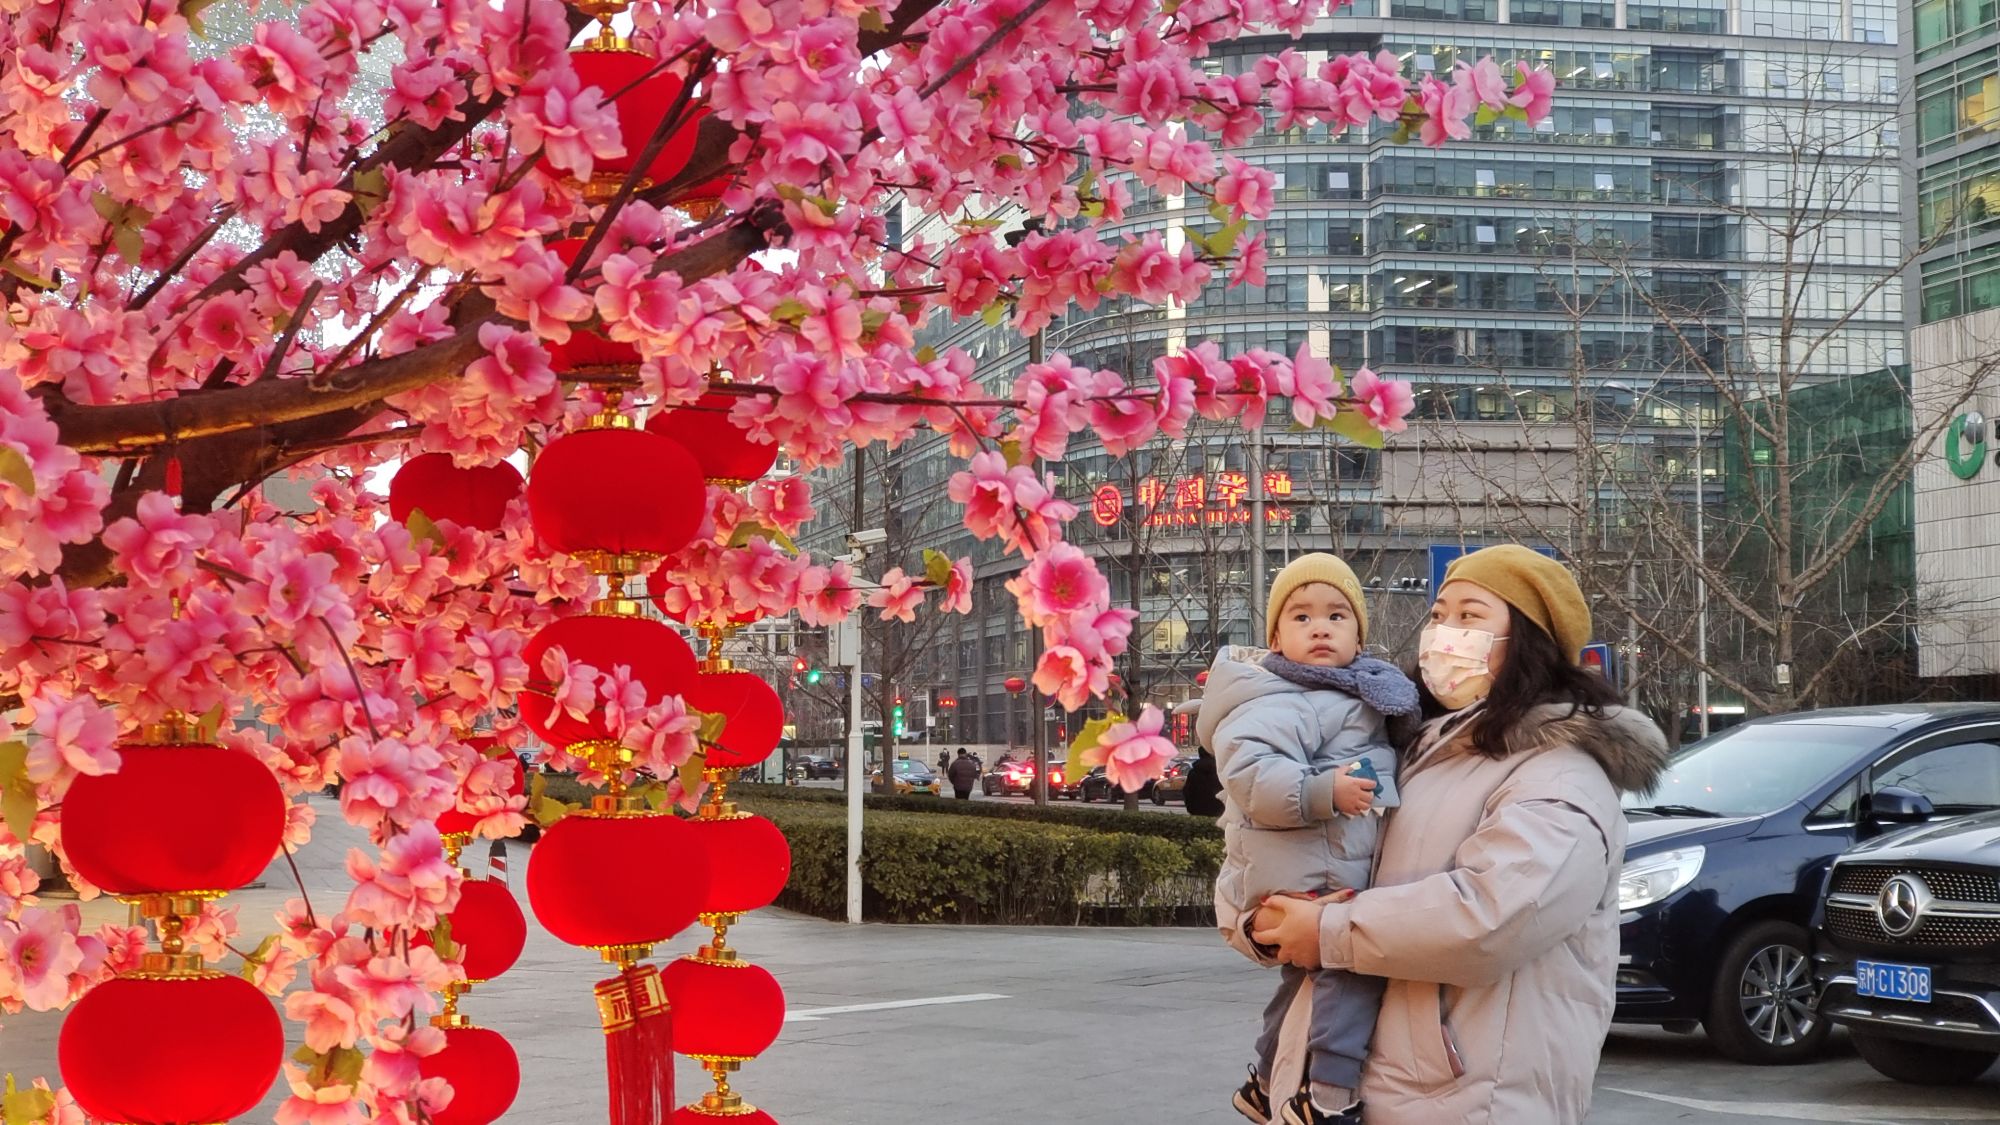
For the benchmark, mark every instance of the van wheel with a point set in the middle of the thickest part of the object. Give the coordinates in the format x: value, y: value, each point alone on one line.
x: 1921, y: 1064
x: 1159, y: 798
x: 1761, y: 1008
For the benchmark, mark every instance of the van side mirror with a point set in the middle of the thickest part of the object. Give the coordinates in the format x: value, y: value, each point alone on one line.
x: 1893, y: 804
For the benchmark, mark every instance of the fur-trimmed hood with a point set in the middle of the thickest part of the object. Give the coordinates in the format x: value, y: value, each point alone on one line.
x: 1625, y: 742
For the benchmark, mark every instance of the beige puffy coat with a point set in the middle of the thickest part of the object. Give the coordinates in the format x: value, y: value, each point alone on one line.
x: 1495, y: 916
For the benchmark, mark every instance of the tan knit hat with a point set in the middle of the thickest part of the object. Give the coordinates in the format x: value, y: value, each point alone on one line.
x: 1316, y: 567
x: 1537, y: 585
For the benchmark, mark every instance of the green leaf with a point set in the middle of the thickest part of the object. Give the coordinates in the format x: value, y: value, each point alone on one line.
x: 258, y: 956
x: 926, y: 354
x: 421, y: 527
x: 1349, y: 423
x: 1487, y: 115
x: 210, y: 724
x: 340, y: 1066
x: 1222, y: 243
x: 15, y: 470
x: 191, y: 12
x: 1009, y: 161
x: 791, y: 310
x: 1086, y: 738
x: 130, y: 243
x: 789, y: 193
x: 1220, y: 212
x: 872, y: 320
x: 1091, y: 208
x: 994, y: 313
x: 27, y: 276
x: 871, y: 20
x: 937, y: 567
x: 441, y: 939
x: 17, y: 793
x: 106, y: 207
x: 826, y: 206
x: 982, y: 224
x: 712, y: 724
x: 26, y: 1107
x: 1517, y: 113
x: 691, y: 769
x: 371, y: 190
x: 1010, y: 448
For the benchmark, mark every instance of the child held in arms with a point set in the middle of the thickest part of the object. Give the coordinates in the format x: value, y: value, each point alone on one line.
x: 1299, y: 735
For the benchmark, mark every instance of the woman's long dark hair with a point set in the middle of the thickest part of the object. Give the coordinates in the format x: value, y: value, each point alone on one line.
x: 1534, y: 672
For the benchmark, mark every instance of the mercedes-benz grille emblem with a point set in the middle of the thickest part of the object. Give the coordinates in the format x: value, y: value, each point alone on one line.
x: 1901, y: 905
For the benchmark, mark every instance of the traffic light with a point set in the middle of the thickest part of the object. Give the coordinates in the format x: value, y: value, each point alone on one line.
x: 896, y: 717
x: 813, y: 675
x: 799, y: 664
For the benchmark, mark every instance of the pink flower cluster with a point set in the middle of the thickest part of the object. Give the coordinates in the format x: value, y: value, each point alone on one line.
x: 1133, y: 752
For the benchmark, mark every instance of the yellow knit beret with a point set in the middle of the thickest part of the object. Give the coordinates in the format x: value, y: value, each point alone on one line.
x: 1316, y: 567
x: 1537, y: 585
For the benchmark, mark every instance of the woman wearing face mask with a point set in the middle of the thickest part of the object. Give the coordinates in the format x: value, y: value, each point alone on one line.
x: 1494, y: 910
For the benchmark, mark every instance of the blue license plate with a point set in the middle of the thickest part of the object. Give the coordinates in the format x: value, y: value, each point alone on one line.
x: 1885, y: 981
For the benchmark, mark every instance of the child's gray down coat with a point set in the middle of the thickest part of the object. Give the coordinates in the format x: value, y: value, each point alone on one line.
x: 1277, y: 746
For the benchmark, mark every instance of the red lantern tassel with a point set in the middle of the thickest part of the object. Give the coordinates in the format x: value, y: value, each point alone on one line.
x: 638, y: 1046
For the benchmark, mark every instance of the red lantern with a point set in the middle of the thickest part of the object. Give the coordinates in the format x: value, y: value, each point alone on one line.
x: 162, y: 1050
x: 615, y: 491
x: 748, y: 862
x: 475, y: 498
x: 655, y: 653
x: 484, y: 1073
x: 642, y: 95
x: 746, y: 1115
x: 488, y: 927
x: 174, y: 820
x: 619, y: 880
x: 727, y: 454
x: 723, y: 1009
x: 456, y: 822
x: 754, y: 716
x: 588, y: 353
x: 1014, y: 685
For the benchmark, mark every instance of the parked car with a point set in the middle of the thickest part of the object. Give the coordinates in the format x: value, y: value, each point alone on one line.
x: 813, y: 767
x: 1909, y: 935
x: 1173, y: 783
x: 1726, y: 857
x: 911, y: 777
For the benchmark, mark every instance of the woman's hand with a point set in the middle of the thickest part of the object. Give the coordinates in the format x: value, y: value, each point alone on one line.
x: 1292, y: 925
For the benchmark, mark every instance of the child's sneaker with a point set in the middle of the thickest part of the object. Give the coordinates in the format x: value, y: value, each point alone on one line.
x: 1251, y: 1100
x: 1301, y: 1110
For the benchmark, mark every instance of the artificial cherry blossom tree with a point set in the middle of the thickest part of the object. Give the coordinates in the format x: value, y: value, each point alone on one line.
x: 230, y: 261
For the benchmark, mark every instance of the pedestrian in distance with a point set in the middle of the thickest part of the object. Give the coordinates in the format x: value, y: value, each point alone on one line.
x: 944, y: 759
x: 1301, y: 743
x: 964, y: 774
x: 1494, y: 911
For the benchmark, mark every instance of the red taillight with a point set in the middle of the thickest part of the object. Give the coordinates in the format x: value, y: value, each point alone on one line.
x: 1055, y: 777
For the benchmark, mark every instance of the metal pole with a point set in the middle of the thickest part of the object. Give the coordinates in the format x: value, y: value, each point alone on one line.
x: 1700, y: 584
x: 1257, y: 585
x: 857, y: 768
x: 1038, y: 785
x: 1632, y: 635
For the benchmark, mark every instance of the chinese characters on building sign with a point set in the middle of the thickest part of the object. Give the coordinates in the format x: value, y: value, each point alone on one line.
x: 1185, y: 501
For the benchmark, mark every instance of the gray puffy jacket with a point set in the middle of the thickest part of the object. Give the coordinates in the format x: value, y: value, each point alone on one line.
x: 1277, y: 746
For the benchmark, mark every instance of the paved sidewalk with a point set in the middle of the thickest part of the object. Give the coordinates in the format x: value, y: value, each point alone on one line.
x: 914, y: 1025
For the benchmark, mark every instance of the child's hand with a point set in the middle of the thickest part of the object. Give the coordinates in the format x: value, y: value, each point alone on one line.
x: 1353, y: 795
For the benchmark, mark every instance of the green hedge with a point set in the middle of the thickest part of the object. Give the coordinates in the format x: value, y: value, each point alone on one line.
x: 923, y: 867
x: 1182, y: 829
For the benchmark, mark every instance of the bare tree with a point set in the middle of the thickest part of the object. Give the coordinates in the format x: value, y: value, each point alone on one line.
x: 1758, y: 461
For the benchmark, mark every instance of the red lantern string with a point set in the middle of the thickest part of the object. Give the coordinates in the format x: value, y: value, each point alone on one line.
x: 434, y: 484
x: 165, y: 1048
x: 178, y: 818
x: 484, y: 1073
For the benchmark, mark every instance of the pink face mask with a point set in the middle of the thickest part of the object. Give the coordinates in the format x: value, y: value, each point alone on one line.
x: 1455, y: 664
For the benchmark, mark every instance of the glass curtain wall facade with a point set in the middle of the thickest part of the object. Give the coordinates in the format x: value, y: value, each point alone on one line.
x: 1502, y: 275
